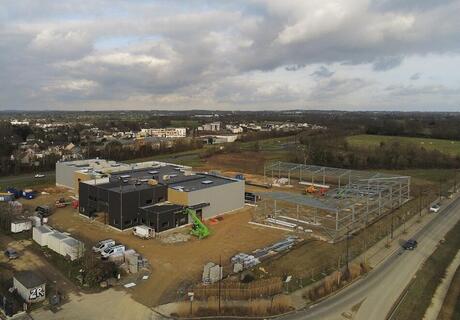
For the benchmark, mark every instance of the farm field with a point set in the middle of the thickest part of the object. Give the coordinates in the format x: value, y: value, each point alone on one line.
x: 450, y: 147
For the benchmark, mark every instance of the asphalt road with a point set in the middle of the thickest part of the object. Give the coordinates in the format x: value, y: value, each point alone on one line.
x: 26, y: 177
x: 373, y: 296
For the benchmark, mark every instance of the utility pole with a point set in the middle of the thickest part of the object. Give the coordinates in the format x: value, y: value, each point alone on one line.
x: 220, y: 279
x: 440, y: 189
x: 348, y: 238
x: 420, y: 203
x: 392, y: 216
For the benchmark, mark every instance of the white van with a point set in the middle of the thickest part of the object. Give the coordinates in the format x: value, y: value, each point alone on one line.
x: 112, y: 250
x: 144, y: 232
x: 103, y: 244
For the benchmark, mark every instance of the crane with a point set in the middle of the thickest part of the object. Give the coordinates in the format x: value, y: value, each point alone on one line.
x: 198, y: 228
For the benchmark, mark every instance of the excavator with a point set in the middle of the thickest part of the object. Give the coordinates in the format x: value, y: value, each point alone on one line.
x: 198, y: 228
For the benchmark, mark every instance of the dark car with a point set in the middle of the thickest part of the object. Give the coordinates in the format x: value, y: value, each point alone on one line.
x: 10, y: 253
x: 410, y: 244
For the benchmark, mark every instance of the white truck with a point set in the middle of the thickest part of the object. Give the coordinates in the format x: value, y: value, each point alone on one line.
x: 144, y: 232
x: 110, y: 251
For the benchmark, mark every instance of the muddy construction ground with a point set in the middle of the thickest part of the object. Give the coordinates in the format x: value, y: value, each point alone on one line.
x: 176, y: 265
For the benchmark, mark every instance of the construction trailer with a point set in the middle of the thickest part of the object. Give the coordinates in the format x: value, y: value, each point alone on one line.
x: 30, y: 286
x: 353, y: 199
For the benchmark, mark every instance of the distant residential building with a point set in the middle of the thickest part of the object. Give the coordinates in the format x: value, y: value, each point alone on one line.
x: 234, y: 129
x: 19, y: 123
x: 212, y: 126
x: 164, y: 132
x: 217, y: 139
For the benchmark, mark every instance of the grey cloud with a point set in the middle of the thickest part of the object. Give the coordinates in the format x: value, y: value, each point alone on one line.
x: 415, y: 76
x: 322, y: 72
x: 411, y: 90
x: 331, y: 88
x: 295, y: 67
x: 387, y: 63
x: 49, y: 54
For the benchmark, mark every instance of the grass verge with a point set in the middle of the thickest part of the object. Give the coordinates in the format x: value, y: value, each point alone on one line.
x: 428, y: 278
x: 451, y: 307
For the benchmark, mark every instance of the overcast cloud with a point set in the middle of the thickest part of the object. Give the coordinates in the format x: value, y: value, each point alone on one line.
x: 238, y: 55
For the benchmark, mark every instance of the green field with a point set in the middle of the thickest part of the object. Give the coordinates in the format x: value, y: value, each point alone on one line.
x: 446, y: 146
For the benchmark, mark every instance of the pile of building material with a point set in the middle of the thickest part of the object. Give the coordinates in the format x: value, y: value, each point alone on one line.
x: 16, y: 207
x: 36, y: 221
x: 20, y: 225
x: 243, y: 261
x: 212, y: 273
x: 281, y: 223
x: 280, y: 182
x: 175, y: 238
x: 59, y: 242
x: 130, y: 261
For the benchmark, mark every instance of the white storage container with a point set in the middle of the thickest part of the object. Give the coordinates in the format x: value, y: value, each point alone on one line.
x: 54, y: 242
x: 40, y: 235
x: 72, y: 247
x: 21, y: 225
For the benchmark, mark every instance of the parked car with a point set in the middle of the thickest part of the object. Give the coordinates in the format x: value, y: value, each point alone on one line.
x: 410, y: 244
x: 435, y: 208
x: 11, y: 253
x: 43, y: 211
x: 110, y: 251
x: 39, y: 175
x: 103, y: 244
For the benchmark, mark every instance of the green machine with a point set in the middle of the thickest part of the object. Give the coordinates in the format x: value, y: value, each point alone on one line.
x: 198, y: 228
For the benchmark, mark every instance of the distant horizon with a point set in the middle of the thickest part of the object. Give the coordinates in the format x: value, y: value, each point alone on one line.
x: 230, y: 110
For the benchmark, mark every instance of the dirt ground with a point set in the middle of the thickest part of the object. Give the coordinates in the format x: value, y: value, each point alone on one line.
x: 174, y: 265
x: 29, y: 259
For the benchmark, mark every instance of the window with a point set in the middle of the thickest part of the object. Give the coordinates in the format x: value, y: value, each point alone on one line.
x: 148, y: 201
x: 143, y: 220
x: 161, y: 199
x: 127, y: 223
x: 165, y: 224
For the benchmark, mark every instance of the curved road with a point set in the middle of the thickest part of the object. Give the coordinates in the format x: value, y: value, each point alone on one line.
x: 373, y: 296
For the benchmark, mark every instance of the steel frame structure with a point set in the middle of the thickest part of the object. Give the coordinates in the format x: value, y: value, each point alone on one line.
x: 357, y: 198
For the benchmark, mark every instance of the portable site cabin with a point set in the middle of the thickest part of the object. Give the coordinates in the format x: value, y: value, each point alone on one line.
x: 6, y: 197
x: 21, y: 225
x: 55, y: 242
x: 29, y: 286
x: 72, y: 248
x: 40, y: 235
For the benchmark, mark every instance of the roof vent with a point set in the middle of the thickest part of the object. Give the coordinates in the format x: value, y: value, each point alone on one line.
x: 207, y: 181
x: 153, y: 172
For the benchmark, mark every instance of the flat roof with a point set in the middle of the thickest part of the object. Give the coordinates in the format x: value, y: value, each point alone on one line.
x: 126, y: 187
x: 151, y: 172
x: 29, y: 279
x: 199, y: 181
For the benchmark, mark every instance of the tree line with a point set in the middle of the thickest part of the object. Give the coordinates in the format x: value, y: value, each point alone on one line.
x: 332, y: 149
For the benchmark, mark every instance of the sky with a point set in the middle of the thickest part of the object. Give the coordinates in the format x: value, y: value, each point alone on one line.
x: 385, y: 55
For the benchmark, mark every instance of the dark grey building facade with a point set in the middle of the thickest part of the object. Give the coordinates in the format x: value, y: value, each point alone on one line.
x: 119, y: 202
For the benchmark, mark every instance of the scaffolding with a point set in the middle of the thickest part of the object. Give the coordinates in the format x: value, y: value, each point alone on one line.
x: 352, y: 199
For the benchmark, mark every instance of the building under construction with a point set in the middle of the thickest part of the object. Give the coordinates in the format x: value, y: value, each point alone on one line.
x: 333, y: 201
